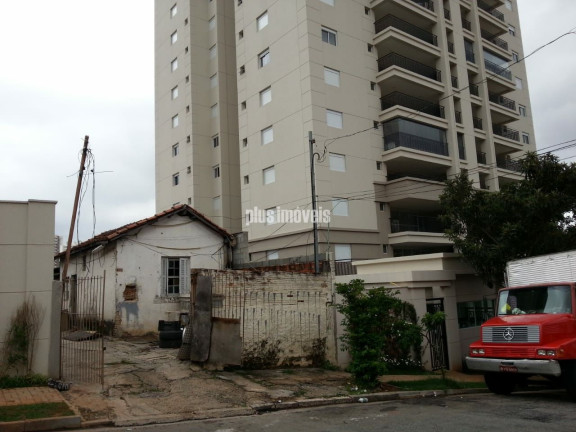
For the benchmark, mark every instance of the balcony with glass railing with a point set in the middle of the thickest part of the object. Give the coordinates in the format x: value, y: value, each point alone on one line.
x: 407, y: 101
x: 492, y: 38
x: 394, y: 59
x: 402, y: 139
x: 509, y: 164
x: 402, y: 222
x: 491, y: 10
x: 425, y: 4
x: 497, y: 70
x: 506, y: 132
x: 502, y: 101
x: 481, y: 157
x: 411, y: 29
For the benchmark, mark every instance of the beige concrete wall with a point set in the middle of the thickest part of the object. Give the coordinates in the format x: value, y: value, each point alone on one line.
x: 26, y: 266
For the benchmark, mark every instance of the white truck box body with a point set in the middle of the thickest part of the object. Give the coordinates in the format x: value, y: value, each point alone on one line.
x: 557, y: 267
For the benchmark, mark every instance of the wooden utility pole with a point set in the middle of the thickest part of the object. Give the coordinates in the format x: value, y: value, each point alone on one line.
x: 75, y: 210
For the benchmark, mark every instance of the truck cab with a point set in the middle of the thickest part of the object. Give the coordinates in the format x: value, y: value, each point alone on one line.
x: 533, y: 333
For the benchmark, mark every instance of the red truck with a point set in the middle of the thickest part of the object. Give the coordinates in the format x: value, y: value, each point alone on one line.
x: 534, y: 330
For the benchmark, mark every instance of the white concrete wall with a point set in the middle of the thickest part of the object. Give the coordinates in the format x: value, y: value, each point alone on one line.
x: 137, y: 258
x: 26, y: 269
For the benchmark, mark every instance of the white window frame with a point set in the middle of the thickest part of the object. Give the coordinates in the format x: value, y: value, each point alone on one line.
x: 331, y: 77
x: 174, y: 38
x: 269, y: 175
x: 337, y: 162
x: 519, y: 83
x: 174, y: 64
x: 215, y: 141
x: 266, y: 96
x: 328, y: 2
x: 174, y: 93
x: 522, y: 111
x: 264, y: 58
x: 508, y: 4
x: 175, y: 150
x: 525, y: 138
x: 175, y: 179
x: 272, y: 255
x: 334, y: 119
x: 515, y: 57
x: 212, y: 51
x: 175, y: 121
x: 217, y: 203
x: 262, y: 21
x: 342, y: 252
x: 340, y: 207
x: 212, y: 23
x: 173, y: 11
x: 329, y: 36
x: 267, y: 135
x: 216, y: 171
x: 175, y: 276
x: 214, y: 80
x: 511, y: 30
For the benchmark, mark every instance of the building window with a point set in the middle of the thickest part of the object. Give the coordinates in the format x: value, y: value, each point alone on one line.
x: 175, y: 150
x: 511, y: 30
x: 175, y: 179
x: 212, y: 23
x: 334, y: 119
x: 379, y: 165
x: 474, y: 313
x: 188, y: 169
x: 175, y: 121
x: 175, y: 276
x: 240, y: 34
x: 187, y: 108
x: 370, y: 47
x: 332, y: 77
x: 269, y: 175
x: 216, y: 203
x: 187, y: 79
x: 509, y: 4
x: 174, y: 92
x: 215, y: 141
x: 525, y: 138
x: 216, y: 171
x: 189, y: 201
x: 337, y: 162
x: 342, y: 252
x: 271, y: 216
x: 173, y: 11
x: 188, y: 138
x: 522, y: 111
x: 213, y: 80
x: 340, y: 207
x: 214, y: 110
x: 173, y: 37
x: 272, y: 255
x: 246, y: 179
x: 328, y: 2
x: 265, y: 96
x: 372, y: 85
x: 267, y: 135
x: 244, y: 142
x: 519, y: 84
x: 515, y: 57
x: 262, y: 21
x: 213, y: 51
x: 264, y: 58
x: 174, y: 64
x: 328, y: 36
x: 382, y: 206
x: 186, y: 50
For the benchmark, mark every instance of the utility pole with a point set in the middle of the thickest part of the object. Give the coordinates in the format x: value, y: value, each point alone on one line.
x: 75, y: 210
x: 311, y: 142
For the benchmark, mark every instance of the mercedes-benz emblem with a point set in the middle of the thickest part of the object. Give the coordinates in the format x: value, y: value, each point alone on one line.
x: 508, y: 334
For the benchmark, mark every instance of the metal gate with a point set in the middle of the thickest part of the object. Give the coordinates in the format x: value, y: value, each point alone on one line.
x: 437, y: 335
x: 81, y: 341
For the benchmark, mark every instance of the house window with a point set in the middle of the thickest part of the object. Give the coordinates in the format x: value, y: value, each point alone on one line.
x: 328, y: 2
x: 508, y: 4
x: 474, y: 313
x: 515, y: 57
x: 525, y: 138
x: 174, y: 64
x: 267, y: 135
x: 511, y: 30
x: 264, y: 58
x: 212, y: 23
x: 216, y: 203
x: 173, y: 37
x: 519, y: 84
x: 173, y: 11
x: 175, y: 121
x: 271, y: 216
x: 175, y: 150
x: 216, y: 171
x: 522, y: 111
x: 174, y: 92
x: 337, y: 162
x: 214, y: 110
x: 342, y: 252
x: 269, y: 175
x: 334, y: 119
x: 340, y: 207
x: 332, y: 77
x: 213, y: 51
x: 175, y: 179
x: 272, y: 255
x: 265, y: 96
x: 262, y: 21
x: 215, y: 141
x: 328, y: 36
x: 213, y: 80
x: 175, y: 276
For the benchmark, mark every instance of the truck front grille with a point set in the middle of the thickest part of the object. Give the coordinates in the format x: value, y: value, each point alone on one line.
x: 511, y: 334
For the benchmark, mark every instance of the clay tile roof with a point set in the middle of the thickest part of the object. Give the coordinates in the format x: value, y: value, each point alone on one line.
x: 115, y: 234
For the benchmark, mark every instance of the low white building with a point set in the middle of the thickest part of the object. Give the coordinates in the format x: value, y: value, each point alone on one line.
x: 147, y: 266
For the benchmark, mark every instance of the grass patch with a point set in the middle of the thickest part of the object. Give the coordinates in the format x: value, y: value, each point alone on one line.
x: 7, y: 382
x: 35, y: 411
x: 435, y: 384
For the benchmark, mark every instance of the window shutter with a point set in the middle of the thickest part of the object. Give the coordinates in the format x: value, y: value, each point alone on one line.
x: 184, y: 276
x: 163, y: 277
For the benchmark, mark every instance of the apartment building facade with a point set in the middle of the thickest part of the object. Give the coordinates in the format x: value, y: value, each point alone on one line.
x: 397, y: 95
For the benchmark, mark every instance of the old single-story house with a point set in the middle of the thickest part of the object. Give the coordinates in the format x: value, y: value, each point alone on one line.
x: 146, y: 266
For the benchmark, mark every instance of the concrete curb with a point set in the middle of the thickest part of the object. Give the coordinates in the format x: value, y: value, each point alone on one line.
x: 45, y: 424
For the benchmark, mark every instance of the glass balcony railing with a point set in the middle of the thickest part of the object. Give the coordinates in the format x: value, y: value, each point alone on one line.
x: 492, y: 11
x: 394, y: 59
x: 509, y: 164
x: 498, y: 70
x: 402, y: 222
x: 494, y: 39
x: 502, y: 101
x: 401, y: 139
x: 406, y: 27
x: 425, y: 4
x: 397, y: 98
x: 506, y: 132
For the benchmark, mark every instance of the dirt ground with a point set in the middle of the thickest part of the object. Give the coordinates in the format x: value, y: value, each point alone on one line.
x: 144, y: 383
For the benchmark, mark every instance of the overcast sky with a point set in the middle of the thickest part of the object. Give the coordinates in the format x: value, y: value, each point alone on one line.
x: 72, y: 68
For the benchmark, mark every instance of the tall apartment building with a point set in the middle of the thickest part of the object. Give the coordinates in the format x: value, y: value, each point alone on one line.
x: 398, y: 95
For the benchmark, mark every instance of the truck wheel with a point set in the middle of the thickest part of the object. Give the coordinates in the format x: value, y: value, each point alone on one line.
x: 569, y: 377
x: 500, y: 383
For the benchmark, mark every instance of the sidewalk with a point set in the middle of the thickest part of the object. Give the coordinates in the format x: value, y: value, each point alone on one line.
x: 145, y: 385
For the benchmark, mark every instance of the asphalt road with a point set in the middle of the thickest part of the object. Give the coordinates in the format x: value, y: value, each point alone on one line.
x: 548, y: 411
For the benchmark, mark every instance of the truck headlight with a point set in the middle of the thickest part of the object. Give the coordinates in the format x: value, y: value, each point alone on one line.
x: 478, y: 351
x: 543, y: 352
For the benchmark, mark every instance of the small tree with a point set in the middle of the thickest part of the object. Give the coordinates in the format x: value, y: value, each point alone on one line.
x: 381, y: 331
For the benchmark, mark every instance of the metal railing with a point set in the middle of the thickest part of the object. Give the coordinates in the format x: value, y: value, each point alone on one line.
x: 438, y: 178
x: 492, y: 11
x: 466, y: 24
x: 494, y: 39
x: 477, y: 122
x: 451, y: 47
x: 502, y: 101
x: 397, y: 98
x: 400, y: 139
x: 406, y: 27
x: 454, y: 81
x: 447, y: 14
x: 401, y: 222
x: 473, y: 88
x: 498, y: 70
x: 470, y: 56
x: 425, y: 4
x: 506, y: 132
x: 394, y: 59
x: 461, y: 150
x: 458, y: 116
x: 509, y: 164
x: 481, y: 158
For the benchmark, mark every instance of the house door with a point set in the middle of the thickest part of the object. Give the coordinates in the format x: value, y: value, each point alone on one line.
x: 437, y: 335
